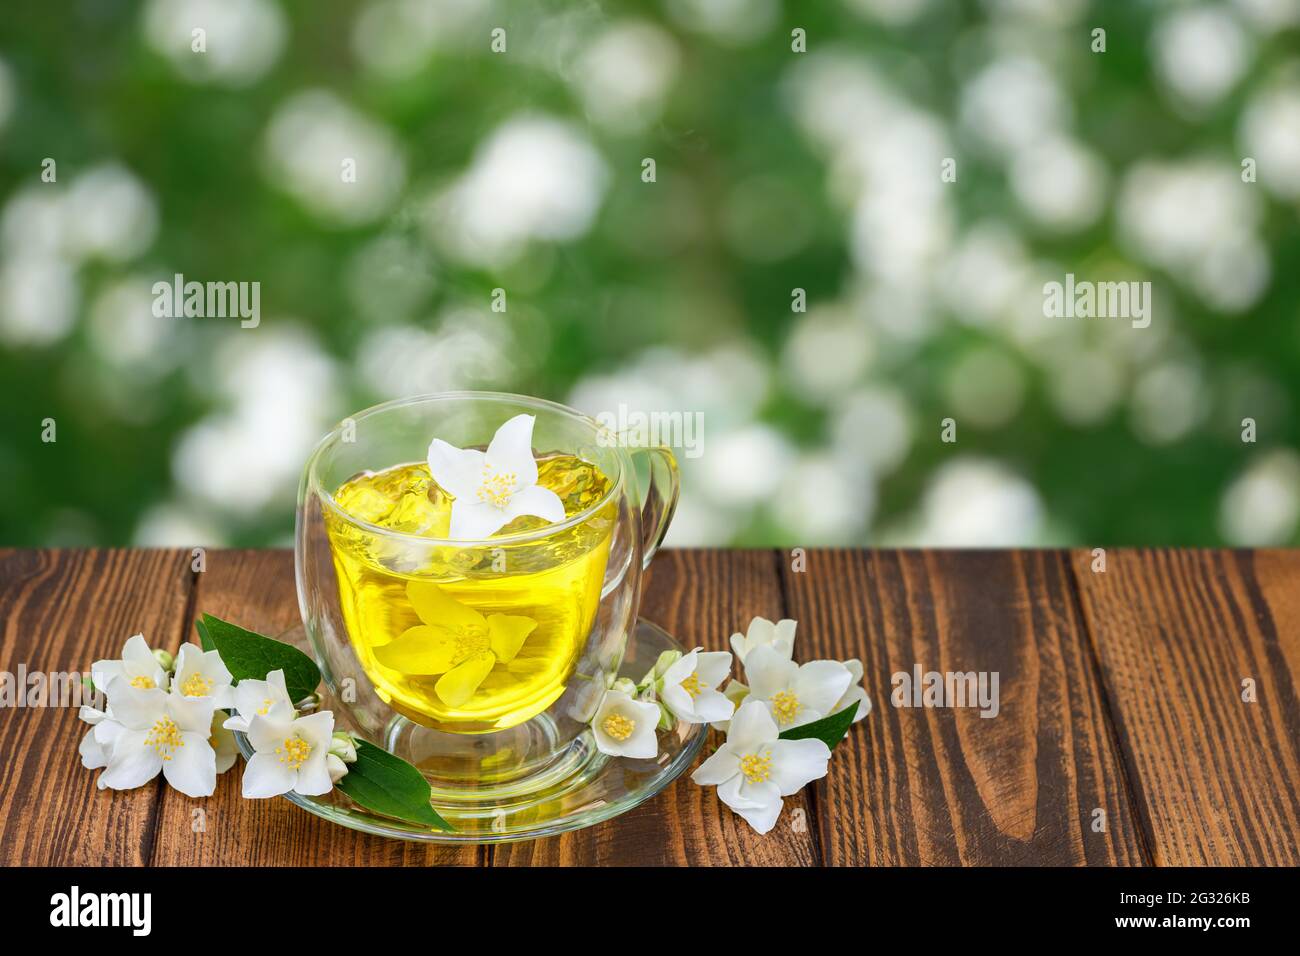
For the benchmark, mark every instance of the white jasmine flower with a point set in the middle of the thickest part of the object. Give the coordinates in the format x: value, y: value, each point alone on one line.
x: 763, y: 633
x: 736, y: 692
x: 97, y: 746
x: 223, y: 743
x: 151, y: 731
x: 201, y: 673
x: 290, y: 755
x: 624, y: 727
x: 138, y: 668
x: 336, y: 767
x: 262, y: 698
x: 754, y: 769
x: 795, y: 694
x: 343, y: 746
x: 689, y: 687
x: 493, y: 488
x: 856, y: 692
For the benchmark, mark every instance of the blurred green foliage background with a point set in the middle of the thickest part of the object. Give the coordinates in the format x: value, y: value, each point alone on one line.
x: 1171, y: 157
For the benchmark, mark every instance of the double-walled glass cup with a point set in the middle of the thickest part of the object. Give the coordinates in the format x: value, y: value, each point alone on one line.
x: 479, y: 661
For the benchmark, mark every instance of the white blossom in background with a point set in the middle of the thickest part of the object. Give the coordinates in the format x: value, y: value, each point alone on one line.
x: 1013, y: 104
x: 1060, y: 183
x: 33, y: 222
x: 744, y: 467
x: 1194, y: 219
x: 108, y: 214
x: 892, y: 12
x: 880, y: 411
x: 1269, y: 16
x: 534, y: 178
x: 985, y: 386
x: 974, y: 502
x: 1046, y: 12
x: 389, y: 278
x: 275, y: 394
x: 1168, y: 401
x: 624, y: 75
x: 1085, y: 385
x: 395, y: 39
x: 177, y: 525
x: 313, y: 145
x: 1261, y: 508
x: 826, y: 353
x: 1269, y: 133
x: 469, y: 348
x: 39, y: 295
x: 726, y: 22
x: 1200, y: 52
x: 825, y: 499
x: 883, y: 154
x: 985, y: 274
x: 125, y: 332
x: 243, y: 38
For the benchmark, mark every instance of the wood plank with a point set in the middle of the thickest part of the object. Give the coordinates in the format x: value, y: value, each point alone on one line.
x: 701, y: 597
x: 62, y: 611
x: 946, y: 786
x: 256, y: 589
x: 1177, y: 632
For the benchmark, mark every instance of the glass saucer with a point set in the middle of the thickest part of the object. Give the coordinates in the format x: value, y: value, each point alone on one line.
x: 595, y: 789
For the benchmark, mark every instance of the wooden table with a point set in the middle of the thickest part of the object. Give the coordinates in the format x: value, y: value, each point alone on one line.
x: 1120, y: 691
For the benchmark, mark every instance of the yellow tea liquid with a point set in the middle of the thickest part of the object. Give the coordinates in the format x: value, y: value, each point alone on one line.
x: 468, y: 640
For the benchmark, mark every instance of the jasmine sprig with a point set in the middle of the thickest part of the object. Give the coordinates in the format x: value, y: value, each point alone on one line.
x: 303, y: 752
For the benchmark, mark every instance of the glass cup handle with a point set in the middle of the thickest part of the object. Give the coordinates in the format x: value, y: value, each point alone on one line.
x: 660, y: 500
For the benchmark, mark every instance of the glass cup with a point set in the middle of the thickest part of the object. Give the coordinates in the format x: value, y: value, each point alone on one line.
x: 479, y: 661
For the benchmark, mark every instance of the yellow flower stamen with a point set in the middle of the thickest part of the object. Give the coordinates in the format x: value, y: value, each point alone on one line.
x: 196, y: 685
x: 618, y: 726
x: 785, y: 705
x: 266, y: 706
x: 143, y: 682
x: 294, y: 753
x: 692, y: 686
x: 757, y: 768
x: 164, y: 737
x: 497, y: 487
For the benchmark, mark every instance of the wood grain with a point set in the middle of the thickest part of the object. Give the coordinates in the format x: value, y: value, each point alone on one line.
x: 700, y: 597
x: 62, y: 611
x: 947, y: 786
x: 1120, y: 691
x: 1177, y: 633
x: 256, y: 589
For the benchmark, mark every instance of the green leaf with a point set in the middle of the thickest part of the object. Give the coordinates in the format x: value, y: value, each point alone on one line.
x: 205, y: 639
x: 251, y: 655
x: 391, y: 786
x: 829, y: 730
